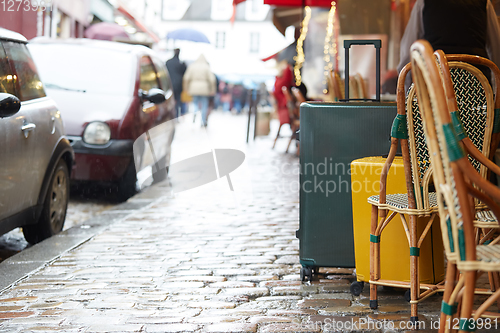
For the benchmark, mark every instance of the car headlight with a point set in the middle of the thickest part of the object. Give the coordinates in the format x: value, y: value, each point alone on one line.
x: 97, y: 133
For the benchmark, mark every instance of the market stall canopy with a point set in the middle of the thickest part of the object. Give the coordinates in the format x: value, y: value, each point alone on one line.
x: 106, y: 31
x: 289, y: 12
x: 295, y: 3
x: 300, y: 3
x: 188, y: 34
x: 288, y: 54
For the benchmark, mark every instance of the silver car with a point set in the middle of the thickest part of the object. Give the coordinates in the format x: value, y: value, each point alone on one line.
x: 35, y: 157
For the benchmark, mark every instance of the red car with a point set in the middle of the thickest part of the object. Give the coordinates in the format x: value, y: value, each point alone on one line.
x: 109, y: 94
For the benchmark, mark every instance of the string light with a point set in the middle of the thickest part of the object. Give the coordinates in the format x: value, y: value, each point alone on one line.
x: 299, y: 58
x: 330, y: 48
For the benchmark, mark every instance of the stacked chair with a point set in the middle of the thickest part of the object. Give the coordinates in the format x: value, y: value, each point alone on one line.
x: 419, y: 205
x: 294, y: 112
x: 459, y: 187
x: 335, y: 86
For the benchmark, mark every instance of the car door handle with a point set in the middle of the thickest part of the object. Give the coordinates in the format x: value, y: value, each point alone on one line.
x: 27, y: 128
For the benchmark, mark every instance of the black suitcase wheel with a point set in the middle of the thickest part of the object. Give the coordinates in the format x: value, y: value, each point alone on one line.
x: 357, y: 287
x: 408, y: 295
x: 306, y: 273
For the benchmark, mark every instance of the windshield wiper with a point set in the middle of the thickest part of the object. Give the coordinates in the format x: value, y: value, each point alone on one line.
x: 55, y: 86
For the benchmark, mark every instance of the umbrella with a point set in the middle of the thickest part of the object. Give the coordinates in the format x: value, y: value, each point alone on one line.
x: 189, y: 35
x: 106, y: 31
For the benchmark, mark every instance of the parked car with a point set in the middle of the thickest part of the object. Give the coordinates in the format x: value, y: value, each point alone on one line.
x: 35, y: 157
x: 109, y: 94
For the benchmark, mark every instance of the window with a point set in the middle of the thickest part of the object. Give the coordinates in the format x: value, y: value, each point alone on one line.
x: 7, y: 78
x: 28, y: 82
x: 254, y: 42
x: 148, y: 79
x: 222, y: 10
x: 98, y: 70
x: 162, y: 75
x: 220, y: 40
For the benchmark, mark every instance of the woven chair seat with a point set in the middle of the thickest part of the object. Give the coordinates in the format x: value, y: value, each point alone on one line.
x: 485, y: 219
x: 488, y: 253
x: 399, y: 203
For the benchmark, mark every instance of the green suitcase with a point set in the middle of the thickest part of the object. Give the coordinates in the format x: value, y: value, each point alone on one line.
x: 332, y: 135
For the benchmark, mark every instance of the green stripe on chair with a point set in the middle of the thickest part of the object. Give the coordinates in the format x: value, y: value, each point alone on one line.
x: 399, y: 129
x: 415, y: 251
x: 448, y: 309
x: 455, y: 151
x: 450, y: 235
x: 461, y: 243
x: 374, y: 239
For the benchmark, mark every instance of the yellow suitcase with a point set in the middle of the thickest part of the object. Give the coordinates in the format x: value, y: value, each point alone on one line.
x: 394, y: 251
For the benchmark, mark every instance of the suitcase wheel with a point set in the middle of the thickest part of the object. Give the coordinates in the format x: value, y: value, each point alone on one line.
x: 357, y: 287
x: 306, y: 273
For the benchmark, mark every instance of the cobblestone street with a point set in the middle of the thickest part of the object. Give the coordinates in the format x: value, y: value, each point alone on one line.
x: 203, y: 260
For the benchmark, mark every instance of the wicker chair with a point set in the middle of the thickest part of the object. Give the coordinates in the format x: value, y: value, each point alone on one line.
x: 420, y: 200
x: 456, y: 180
x: 362, y: 92
x: 294, y: 112
x: 299, y: 98
x: 335, y: 86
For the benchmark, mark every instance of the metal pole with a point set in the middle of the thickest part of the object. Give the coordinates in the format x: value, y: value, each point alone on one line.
x: 346, y: 72
x: 377, y: 93
x: 249, y: 116
x: 254, y: 104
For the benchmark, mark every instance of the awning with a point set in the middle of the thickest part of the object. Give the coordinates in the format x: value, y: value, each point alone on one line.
x: 298, y: 3
x: 138, y: 24
x: 288, y: 54
x: 283, y: 17
x: 295, y: 3
x: 289, y: 12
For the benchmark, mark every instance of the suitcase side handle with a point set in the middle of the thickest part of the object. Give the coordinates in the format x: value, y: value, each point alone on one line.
x: 377, y: 43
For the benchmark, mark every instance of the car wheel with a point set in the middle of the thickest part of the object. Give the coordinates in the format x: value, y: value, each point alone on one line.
x: 127, y: 184
x: 55, y: 204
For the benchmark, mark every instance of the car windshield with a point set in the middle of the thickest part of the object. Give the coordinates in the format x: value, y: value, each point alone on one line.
x: 84, y: 69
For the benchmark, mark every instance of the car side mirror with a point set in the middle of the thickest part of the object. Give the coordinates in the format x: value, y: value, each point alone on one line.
x: 9, y: 105
x: 154, y: 95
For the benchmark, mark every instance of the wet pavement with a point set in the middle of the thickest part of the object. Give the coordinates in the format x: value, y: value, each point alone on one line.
x: 83, y: 204
x: 204, y: 260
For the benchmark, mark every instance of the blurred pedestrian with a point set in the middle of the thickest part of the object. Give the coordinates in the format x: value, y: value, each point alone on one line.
x: 283, y: 79
x: 200, y: 82
x: 225, y: 96
x: 176, y: 69
x: 238, y: 97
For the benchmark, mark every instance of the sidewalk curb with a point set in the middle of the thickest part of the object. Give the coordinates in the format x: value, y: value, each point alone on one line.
x: 34, y: 258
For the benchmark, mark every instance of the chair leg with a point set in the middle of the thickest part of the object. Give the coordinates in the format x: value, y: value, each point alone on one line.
x: 277, y: 135
x: 374, y: 259
x: 467, y: 298
x: 448, y: 289
x: 414, y: 277
x: 292, y: 127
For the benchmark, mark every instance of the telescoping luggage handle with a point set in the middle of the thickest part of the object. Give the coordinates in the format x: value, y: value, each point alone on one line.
x: 347, y: 46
